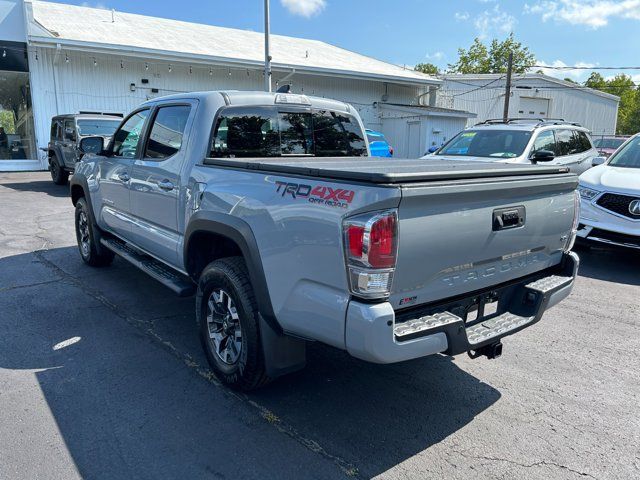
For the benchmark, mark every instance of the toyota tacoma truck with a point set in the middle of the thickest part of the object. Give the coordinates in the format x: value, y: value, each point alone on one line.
x: 269, y: 209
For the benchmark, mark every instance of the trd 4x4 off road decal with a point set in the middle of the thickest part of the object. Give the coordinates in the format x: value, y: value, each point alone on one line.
x: 332, y: 197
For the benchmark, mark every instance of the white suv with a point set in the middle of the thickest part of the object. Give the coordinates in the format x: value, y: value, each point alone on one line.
x: 610, y: 198
x: 522, y: 141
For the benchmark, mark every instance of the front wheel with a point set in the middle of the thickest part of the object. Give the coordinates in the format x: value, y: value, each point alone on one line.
x: 89, y: 250
x: 228, y: 320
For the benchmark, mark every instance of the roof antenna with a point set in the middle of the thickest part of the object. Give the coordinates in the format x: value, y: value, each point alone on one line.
x: 113, y: 15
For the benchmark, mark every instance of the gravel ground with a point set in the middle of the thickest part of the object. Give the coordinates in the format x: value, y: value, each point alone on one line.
x: 102, y: 375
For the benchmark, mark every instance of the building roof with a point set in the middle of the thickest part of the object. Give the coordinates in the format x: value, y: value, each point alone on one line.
x: 521, y: 78
x: 129, y: 34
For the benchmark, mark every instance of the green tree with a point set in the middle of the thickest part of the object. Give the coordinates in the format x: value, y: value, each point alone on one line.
x: 428, y: 68
x: 7, y: 121
x: 624, y: 87
x: 493, y: 59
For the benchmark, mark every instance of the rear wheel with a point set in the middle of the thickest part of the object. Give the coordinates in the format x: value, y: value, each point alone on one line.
x: 228, y: 320
x: 87, y: 242
x: 58, y: 174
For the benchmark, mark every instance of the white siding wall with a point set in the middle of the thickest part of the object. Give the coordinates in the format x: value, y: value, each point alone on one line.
x: 59, y: 87
x: 597, y: 113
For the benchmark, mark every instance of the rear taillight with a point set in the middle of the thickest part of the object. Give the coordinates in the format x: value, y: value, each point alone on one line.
x: 371, y: 244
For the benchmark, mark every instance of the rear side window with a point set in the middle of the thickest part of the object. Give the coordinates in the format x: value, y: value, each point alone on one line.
x: 243, y: 132
x: 56, y: 130
x: 126, y: 139
x: 167, y: 132
x: 566, y: 143
x: 582, y: 141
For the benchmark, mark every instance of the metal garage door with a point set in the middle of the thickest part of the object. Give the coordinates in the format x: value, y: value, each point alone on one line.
x: 533, y: 107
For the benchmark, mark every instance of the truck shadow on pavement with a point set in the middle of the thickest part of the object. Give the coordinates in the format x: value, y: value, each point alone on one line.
x: 117, y: 359
x: 40, y: 186
x: 610, y: 264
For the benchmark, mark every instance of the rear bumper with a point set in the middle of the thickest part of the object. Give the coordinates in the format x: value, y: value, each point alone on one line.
x: 376, y: 333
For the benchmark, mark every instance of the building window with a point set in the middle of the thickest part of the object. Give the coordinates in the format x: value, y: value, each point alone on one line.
x: 17, y: 137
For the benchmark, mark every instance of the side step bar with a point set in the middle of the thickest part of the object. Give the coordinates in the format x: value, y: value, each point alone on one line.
x: 180, y: 284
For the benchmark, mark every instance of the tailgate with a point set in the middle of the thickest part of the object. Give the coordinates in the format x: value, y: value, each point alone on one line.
x: 451, y: 240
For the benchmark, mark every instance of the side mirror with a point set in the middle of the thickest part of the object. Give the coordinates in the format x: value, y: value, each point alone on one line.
x: 597, y: 161
x: 92, y: 145
x: 543, y: 156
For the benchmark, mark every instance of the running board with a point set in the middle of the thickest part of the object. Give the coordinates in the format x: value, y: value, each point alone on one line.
x: 180, y: 284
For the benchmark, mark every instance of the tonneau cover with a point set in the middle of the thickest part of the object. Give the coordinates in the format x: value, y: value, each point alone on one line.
x: 385, y: 170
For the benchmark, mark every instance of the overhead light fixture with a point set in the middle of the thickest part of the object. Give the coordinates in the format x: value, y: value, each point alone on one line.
x: 66, y: 58
x: 190, y: 70
x: 4, y: 53
x: 146, y: 66
x: 121, y: 64
x: 210, y: 71
x: 169, y: 68
x: 95, y: 62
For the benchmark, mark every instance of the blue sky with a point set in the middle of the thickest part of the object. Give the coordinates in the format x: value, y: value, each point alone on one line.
x: 559, y: 32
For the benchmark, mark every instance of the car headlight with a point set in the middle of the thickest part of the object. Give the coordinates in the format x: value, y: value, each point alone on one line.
x: 587, y: 193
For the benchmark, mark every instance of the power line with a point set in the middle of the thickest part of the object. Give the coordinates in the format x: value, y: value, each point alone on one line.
x: 582, y: 67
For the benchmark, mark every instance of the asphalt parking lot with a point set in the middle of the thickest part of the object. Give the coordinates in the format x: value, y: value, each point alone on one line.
x: 102, y: 375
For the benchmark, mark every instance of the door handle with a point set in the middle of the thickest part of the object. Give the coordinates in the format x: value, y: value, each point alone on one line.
x: 166, y: 185
x: 124, y: 177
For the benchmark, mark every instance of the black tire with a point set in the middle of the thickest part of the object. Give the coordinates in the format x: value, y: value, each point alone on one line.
x: 229, y: 275
x: 90, y: 252
x: 58, y: 174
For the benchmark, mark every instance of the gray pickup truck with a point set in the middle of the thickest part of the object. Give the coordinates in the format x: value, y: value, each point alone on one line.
x: 268, y: 208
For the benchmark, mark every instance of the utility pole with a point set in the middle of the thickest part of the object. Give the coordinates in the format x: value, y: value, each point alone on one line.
x: 267, y: 55
x: 507, y: 92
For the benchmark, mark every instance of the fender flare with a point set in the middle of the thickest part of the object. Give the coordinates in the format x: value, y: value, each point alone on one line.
x: 57, y: 151
x: 239, y: 232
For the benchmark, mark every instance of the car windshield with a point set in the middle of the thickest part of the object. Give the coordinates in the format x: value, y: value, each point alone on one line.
x: 628, y: 156
x: 612, y: 143
x: 487, y: 143
x: 97, y: 127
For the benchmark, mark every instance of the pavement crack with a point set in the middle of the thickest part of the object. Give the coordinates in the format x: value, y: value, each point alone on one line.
x: 267, y: 415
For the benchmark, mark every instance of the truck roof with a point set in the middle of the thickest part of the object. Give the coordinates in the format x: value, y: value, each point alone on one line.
x: 382, y: 170
x: 242, y: 98
x: 92, y: 116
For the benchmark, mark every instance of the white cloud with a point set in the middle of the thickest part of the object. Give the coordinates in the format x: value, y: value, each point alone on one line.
x: 494, y: 21
x: 461, y: 16
x: 99, y: 5
x: 437, y: 56
x: 560, y: 70
x: 304, y: 8
x: 592, y: 13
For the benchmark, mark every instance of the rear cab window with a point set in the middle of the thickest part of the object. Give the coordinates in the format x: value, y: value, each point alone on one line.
x: 272, y: 132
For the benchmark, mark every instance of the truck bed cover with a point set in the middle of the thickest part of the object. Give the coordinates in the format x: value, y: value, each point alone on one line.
x: 385, y: 171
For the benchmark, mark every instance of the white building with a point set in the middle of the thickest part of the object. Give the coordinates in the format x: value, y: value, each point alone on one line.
x: 65, y: 59
x: 533, y: 96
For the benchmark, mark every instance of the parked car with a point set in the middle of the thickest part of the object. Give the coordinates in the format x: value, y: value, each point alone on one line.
x: 266, y: 208
x: 66, y: 133
x: 610, y: 198
x: 525, y: 141
x: 606, y: 145
x: 378, y: 144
